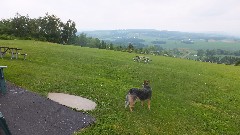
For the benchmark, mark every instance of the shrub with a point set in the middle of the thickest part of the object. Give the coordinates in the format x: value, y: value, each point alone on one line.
x: 7, y: 37
x: 237, y: 63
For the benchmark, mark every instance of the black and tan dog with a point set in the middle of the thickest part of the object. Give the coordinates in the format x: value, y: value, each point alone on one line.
x: 142, y: 94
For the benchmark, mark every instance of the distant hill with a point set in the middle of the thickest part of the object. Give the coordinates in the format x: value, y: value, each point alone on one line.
x: 141, y: 37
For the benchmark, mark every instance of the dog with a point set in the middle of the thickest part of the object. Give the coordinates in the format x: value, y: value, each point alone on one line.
x: 142, y: 94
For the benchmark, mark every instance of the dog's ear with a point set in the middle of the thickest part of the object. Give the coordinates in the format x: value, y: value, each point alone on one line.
x: 144, y: 82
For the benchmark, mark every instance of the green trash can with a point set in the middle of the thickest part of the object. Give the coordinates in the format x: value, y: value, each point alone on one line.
x: 2, y: 81
x: 4, y: 126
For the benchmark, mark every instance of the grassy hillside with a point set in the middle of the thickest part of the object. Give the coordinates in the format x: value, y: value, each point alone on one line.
x: 189, y: 97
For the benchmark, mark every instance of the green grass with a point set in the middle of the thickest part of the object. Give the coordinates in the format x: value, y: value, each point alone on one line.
x: 189, y: 97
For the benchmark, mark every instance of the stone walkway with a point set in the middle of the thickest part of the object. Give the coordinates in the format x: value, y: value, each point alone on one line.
x: 27, y: 113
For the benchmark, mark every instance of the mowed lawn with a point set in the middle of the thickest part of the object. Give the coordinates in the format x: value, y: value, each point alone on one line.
x: 189, y: 97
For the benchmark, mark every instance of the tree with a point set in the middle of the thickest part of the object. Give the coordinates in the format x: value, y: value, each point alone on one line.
x: 130, y: 47
x: 93, y: 42
x: 210, y: 52
x: 33, y: 29
x: 146, y: 50
x: 111, y: 46
x: 50, y: 28
x: 96, y: 43
x: 82, y: 39
x: 103, y: 45
x: 20, y: 26
x: 5, y: 27
x: 68, y: 33
x: 200, y: 53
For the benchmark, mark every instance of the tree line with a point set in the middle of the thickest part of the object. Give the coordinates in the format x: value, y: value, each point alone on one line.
x: 219, y: 56
x: 213, y: 52
x: 48, y: 28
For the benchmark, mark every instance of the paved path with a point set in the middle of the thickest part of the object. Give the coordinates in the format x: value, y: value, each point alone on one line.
x: 27, y: 113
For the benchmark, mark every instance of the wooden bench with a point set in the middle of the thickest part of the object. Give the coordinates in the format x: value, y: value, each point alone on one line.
x: 24, y: 55
x: 14, y: 52
x: 2, y: 80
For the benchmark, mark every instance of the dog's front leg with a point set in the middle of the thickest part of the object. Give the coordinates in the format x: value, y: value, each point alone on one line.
x: 149, y: 103
x: 142, y: 103
x: 131, y: 106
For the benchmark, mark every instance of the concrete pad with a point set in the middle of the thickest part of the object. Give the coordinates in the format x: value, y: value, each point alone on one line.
x: 72, y: 101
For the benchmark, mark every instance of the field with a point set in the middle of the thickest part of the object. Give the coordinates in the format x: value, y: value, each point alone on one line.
x: 189, y: 97
x: 232, y: 46
x: 172, y: 39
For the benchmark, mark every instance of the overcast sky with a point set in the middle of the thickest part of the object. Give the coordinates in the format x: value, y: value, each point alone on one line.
x: 179, y: 15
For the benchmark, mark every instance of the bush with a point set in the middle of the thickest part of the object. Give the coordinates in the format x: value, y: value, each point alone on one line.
x: 7, y: 37
x: 237, y: 63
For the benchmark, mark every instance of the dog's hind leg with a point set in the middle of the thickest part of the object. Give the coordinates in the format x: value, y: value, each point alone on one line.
x: 131, y: 101
x: 149, y: 103
x: 131, y: 106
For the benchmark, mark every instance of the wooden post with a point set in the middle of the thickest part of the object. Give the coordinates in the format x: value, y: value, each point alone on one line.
x: 2, y: 81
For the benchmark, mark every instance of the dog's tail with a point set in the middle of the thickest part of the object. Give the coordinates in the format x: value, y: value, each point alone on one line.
x: 126, y: 101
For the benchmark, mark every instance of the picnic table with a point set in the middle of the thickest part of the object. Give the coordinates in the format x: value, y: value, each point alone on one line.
x: 13, y: 51
x: 3, y: 50
x: 2, y: 80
